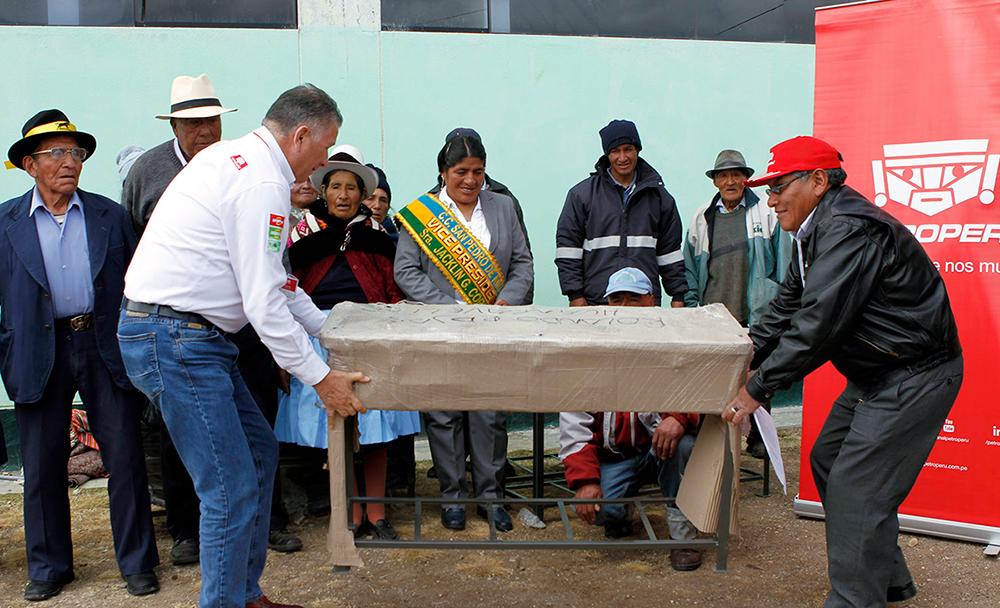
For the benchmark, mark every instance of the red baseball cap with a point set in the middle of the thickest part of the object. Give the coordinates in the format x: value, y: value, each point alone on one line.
x: 802, y: 153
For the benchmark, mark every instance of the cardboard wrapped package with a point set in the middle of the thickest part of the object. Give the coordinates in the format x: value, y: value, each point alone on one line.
x: 546, y: 359
x: 540, y: 359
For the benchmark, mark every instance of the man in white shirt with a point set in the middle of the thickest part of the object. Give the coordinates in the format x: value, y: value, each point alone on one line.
x: 210, y: 262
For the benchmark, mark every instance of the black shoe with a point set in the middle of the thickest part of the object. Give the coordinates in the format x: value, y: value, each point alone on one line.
x: 501, y: 520
x: 365, y: 530
x: 318, y: 506
x: 384, y: 531
x: 618, y: 529
x: 756, y: 448
x: 453, y: 518
x: 432, y: 473
x: 901, y: 594
x: 283, y: 542
x: 184, y: 552
x: 143, y: 583
x: 37, y: 591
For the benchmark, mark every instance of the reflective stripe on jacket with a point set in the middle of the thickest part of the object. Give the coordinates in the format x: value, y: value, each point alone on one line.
x: 598, y: 234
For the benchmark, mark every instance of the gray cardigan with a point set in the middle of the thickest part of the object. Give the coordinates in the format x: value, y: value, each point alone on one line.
x: 146, y: 181
x: 421, y: 281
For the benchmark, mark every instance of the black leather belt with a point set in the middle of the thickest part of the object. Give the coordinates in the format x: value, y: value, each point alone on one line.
x: 163, y: 310
x: 77, y: 323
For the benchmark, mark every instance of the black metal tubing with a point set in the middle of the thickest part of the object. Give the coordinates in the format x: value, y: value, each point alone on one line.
x: 763, y: 475
x: 546, y: 545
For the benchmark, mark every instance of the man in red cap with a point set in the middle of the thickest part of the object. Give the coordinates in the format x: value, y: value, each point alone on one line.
x: 863, y: 294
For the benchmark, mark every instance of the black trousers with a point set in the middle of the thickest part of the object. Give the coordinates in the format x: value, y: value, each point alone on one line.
x: 182, y: 505
x: 43, y: 427
x: 865, y: 461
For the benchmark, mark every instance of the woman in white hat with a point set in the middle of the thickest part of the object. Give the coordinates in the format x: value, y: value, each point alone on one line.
x: 339, y: 255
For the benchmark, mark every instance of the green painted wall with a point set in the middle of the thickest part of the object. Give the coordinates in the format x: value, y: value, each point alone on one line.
x: 538, y: 101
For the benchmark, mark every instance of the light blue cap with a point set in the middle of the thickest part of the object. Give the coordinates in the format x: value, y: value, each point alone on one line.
x: 629, y: 279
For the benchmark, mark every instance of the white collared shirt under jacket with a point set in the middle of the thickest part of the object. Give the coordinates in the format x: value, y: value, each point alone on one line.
x: 213, y: 247
x: 476, y: 224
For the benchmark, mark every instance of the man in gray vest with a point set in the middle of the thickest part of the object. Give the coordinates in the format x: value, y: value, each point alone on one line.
x: 735, y: 253
x: 196, y: 119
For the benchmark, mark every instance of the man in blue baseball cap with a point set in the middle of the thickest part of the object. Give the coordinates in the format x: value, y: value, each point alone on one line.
x: 612, y: 454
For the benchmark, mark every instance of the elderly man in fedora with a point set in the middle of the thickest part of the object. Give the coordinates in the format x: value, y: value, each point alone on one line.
x: 735, y: 253
x: 195, y: 118
x: 63, y: 255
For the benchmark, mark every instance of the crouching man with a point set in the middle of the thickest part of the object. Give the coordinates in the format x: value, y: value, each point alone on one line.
x: 612, y: 454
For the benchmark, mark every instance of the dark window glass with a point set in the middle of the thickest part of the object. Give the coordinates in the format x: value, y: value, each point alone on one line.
x: 245, y: 13
x: 66, y: 12
x: 211, y: 13
x: 740, y: 20
x: 437, y: 15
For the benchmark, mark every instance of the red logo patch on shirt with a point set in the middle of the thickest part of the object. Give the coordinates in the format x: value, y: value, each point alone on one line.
x: 277, y: 220
x: 238, y: 161
x: 291, y: 284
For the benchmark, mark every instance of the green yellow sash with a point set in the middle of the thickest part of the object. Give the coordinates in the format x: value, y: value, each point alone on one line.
x: 460, y: 256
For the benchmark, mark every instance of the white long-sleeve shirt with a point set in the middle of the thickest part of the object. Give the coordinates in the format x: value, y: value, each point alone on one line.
x: 213, y: 246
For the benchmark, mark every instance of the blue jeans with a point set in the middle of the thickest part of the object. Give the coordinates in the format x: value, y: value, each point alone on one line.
x: 189, y: 372
x: 625, y: 477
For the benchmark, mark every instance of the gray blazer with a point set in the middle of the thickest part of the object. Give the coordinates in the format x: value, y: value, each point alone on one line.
x: 421, y: 281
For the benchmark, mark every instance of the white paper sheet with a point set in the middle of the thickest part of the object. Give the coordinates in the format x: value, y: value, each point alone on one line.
x: 765, y: 424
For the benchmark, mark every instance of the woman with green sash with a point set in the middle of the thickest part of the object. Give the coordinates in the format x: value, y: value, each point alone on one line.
x: 465, y: 246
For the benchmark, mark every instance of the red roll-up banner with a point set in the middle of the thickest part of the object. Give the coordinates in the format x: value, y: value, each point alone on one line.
x: 909, y: 92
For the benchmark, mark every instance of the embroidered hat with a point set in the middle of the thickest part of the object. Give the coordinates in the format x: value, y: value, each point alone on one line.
x: 46, y: 124
x: 194, y: 97
x: 802, y: 153
x: 631, y: 280
x: 346, y: 157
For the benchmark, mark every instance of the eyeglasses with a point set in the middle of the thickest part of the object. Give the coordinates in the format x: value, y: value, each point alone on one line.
x: 79, y: 154
x: 776, y: 190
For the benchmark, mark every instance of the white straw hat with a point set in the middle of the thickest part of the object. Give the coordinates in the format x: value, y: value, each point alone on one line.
x: 194, y: 97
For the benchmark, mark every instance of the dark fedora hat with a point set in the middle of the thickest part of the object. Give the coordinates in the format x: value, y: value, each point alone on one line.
x: 46, y: 124
x: 729, y: 159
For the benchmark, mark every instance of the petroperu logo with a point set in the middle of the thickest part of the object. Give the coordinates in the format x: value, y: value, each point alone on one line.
x: 239, y: 162
x: 933, y: 176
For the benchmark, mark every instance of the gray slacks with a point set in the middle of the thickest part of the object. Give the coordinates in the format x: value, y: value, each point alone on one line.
x: 865, y: 461
x: 487, y: 446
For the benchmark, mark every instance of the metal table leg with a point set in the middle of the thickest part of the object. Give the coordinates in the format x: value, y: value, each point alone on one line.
x: 538, y: 461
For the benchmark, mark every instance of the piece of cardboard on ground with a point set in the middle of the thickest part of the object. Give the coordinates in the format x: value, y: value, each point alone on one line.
x: 700, y: 494
x: 543, y: 359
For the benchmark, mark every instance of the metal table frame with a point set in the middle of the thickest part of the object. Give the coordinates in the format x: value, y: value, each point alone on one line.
x: 720, y: 540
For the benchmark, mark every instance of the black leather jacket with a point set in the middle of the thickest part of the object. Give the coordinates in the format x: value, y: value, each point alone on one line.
x: 873, y: 302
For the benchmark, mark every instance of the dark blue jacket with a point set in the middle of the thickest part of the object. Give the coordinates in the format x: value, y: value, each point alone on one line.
x: 597, y: 235
x: 27, y: 332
